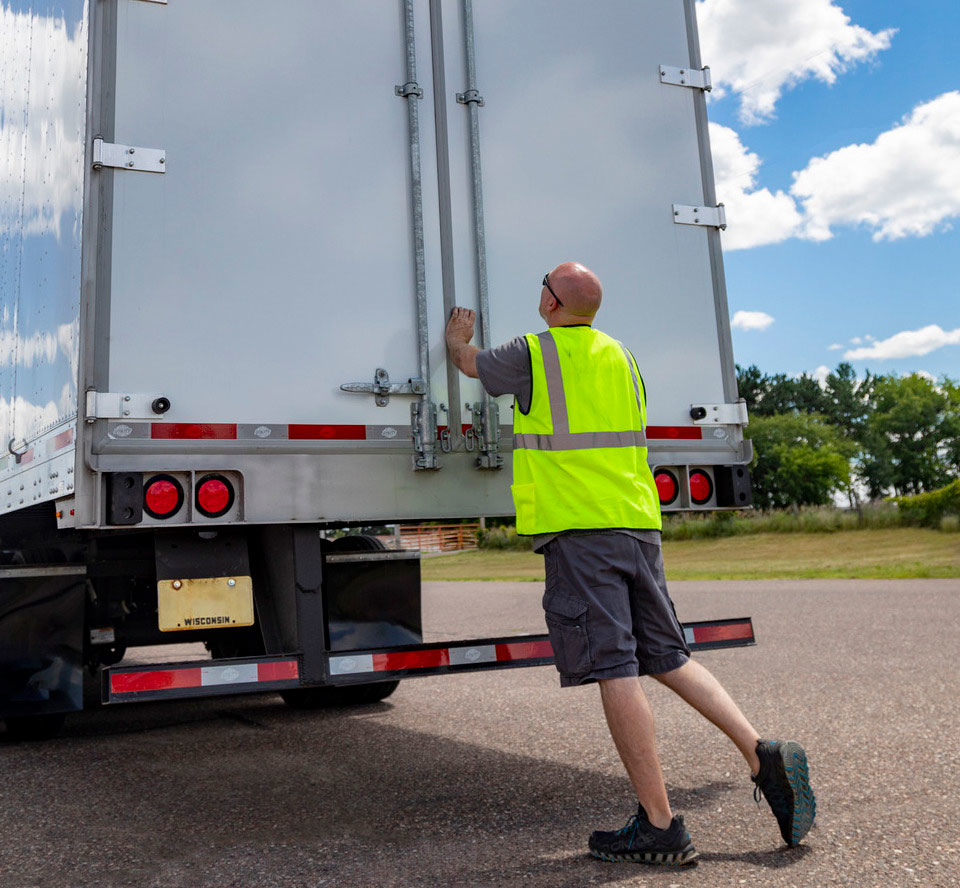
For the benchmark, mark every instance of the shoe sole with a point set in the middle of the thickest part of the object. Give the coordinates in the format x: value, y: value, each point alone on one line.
x: 684, y: 857
x: 795, y: 769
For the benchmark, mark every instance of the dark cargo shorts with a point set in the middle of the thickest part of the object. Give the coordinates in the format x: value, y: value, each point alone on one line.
x: 607, y: 608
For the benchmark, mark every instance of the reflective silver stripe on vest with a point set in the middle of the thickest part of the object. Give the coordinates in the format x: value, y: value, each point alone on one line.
x: 579, y: 441
x: 562, y: 438
x: 636, y: 381
x: 555, y: 392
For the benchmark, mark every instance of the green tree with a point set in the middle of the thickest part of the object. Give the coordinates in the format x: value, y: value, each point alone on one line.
x: 847, y: 400
x: 799, y: 460
x: 911, y: 435
x: 772, y: 395
x: 751, y: 383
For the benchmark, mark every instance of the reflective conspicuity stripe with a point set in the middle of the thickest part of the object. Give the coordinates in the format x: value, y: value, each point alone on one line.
x: 579, y: 441
x: 194, y: 676
x: 636, y: 382
x: 555, y: 392
x: 440, y: 657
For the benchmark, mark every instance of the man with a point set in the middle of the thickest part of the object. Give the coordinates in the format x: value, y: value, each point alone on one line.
x: 584, y: 491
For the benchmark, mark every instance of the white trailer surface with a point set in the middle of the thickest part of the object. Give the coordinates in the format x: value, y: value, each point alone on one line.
x: 231, y: 234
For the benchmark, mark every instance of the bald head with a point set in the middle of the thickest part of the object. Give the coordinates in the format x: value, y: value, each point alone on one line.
x: 576, y: 295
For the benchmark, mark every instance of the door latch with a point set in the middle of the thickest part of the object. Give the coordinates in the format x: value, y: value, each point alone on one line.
x: 381, y: 388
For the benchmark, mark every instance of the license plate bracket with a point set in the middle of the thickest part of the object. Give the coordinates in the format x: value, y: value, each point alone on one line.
x: 204, y: 603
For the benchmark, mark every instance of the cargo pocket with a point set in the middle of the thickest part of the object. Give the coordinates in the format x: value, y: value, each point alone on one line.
x: 567, y: 624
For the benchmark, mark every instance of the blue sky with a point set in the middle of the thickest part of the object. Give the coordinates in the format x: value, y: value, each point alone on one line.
x: 863, y: 255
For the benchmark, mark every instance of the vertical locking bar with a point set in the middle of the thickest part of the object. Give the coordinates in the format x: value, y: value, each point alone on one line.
x: 452, y: 438
x: 489, y: 457
x: 424, y: 415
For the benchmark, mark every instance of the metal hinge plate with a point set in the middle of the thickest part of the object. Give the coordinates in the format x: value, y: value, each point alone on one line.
x: 128, y: 157
x: 711, y: 217
x: 691, y: 77
x: 381, y: 387
x: 122, y: 405
x: 719, y: 414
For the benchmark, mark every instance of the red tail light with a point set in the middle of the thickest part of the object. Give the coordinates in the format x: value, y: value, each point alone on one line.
x: 215, y: 496
x: 162, y: 497
x: 667, y: 486
x: 701, y: 487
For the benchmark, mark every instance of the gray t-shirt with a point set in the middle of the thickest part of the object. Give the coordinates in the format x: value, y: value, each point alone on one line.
x: 506, y: 370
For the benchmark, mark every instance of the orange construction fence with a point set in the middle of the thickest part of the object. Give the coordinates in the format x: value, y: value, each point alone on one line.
x: 435, y: 537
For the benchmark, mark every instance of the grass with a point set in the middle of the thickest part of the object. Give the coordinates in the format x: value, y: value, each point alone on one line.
x: 895, y: 553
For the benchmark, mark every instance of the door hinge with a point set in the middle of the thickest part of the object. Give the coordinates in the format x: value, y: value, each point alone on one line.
x: 381, y: 387
x: 120, y: 405
x: 711, y: 217
x: 127, y: 157
x: 694, y: 78
x: 725, y: 414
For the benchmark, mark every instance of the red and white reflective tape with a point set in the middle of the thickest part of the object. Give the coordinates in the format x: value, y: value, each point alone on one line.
x: 433, y: 658
x: 224, y: 431
x: 741, y: 630
x: 169, y: 678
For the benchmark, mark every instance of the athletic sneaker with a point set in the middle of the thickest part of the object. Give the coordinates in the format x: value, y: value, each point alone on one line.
x: 785, y: 782
x: 641, y: 842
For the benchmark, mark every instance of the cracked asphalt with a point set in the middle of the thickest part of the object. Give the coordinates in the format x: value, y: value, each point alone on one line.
x: 497, y: 778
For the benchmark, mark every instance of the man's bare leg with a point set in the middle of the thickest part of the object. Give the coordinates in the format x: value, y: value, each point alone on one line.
x: 697, y: 686
x: 630, y: 720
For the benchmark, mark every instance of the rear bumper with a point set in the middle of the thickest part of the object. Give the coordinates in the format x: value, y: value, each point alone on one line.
x: 252, y: 675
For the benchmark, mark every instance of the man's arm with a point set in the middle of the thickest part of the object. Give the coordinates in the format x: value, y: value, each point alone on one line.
x: 459, y: 334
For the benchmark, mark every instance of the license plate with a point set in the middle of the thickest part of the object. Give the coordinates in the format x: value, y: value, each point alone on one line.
x: 206, y: 603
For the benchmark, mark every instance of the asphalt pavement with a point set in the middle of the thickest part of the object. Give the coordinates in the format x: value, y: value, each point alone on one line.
x: 498, y: 778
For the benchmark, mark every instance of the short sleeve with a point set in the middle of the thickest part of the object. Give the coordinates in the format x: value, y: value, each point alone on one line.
x: 505, y: 370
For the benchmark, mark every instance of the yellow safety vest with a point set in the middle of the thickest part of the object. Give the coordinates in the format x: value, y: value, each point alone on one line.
x: 580, y: 453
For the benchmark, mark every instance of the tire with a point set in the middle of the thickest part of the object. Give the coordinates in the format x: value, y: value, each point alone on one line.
x: 351, y: 695
x: 359, y: 542
x: 34, y: 727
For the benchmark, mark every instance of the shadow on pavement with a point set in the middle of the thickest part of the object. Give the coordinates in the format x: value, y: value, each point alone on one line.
x: 247, y: 792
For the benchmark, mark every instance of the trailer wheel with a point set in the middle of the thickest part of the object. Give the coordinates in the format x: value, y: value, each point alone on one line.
x: 358, y: 542
x: 34, y: 727
x: 352, y: 695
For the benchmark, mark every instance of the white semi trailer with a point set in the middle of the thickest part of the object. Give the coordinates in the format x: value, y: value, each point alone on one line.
x: 230, y: 235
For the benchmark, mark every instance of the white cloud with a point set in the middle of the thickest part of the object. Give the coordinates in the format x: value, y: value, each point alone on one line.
x: 925, y: 375
x: 907, y: 182
x: 835, y: 347
x: 754, y: 216
x: 906, y: 344
x: 44, y: 110
x: 40, y: 348
x: 759, y: 48
x: 821, y: 374
x: 751, y: 320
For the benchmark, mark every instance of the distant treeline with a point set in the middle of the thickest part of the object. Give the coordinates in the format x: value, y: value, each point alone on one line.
x: 881, y: 435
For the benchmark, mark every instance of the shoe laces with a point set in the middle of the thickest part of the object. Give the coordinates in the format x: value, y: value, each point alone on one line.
x: 631, y: 826
x: 774, y: 795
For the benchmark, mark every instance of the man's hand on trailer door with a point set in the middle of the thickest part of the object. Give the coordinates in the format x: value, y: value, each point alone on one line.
x: 459, y: 334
